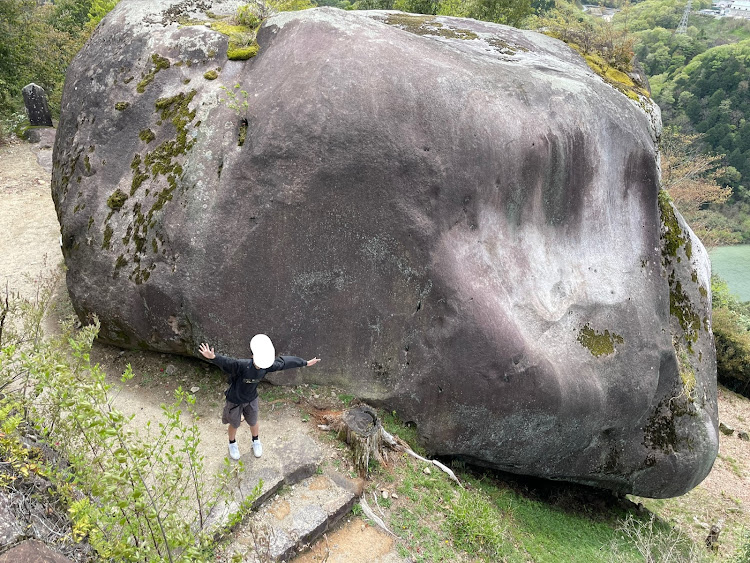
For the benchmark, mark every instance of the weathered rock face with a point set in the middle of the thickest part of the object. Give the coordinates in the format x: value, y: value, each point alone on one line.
x: 37, y: 107
x: 460, y: 218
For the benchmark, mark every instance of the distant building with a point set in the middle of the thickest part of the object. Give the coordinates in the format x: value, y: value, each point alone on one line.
x: 739, y: 8
x: 729, y: 8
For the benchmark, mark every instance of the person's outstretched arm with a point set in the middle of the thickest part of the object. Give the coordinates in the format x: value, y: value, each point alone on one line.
x: 291, y: 362
x: 225, y: 363
x: 206, y: 351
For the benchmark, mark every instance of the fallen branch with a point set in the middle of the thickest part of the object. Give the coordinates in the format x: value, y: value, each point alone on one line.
x: 400, y: 445
x: 374, y: 517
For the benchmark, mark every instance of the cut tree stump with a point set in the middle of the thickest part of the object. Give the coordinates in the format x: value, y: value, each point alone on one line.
x: 361, y: 429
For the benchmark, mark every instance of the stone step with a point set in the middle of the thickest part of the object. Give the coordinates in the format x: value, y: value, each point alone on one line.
x: 294, y: 518
x: 286, y: 460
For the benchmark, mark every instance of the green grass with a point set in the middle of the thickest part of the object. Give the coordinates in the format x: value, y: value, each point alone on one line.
x: 346, y: 399
x: 490, y: 520
x: 499, y: 517
x: 732, y: 463
x: 550, y: 534
x: 408, y: 433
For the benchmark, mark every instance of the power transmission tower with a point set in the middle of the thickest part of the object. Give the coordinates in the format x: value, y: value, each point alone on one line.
x: 682, y: 28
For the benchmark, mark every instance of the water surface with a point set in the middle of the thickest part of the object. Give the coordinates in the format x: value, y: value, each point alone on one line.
x: 733, y: 264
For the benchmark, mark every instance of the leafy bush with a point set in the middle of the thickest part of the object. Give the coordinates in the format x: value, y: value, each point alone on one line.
x: 593, y: 37
x: 137, y: 497
x: 37, y: 42
x: 743, y: 553
x: 731, y: 328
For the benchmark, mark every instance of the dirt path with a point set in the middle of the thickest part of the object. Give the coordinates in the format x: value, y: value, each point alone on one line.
x: 30, y: 233
x: 30, y: 247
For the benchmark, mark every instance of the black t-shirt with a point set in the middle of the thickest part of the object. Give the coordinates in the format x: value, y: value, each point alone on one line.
x: 244, y: 376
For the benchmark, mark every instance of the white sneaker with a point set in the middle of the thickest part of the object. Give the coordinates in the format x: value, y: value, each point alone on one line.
x: 234, y: 451
x: 257, y: 448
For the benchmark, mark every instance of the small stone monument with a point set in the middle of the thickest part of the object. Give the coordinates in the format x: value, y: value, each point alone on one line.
x: 37, y: 108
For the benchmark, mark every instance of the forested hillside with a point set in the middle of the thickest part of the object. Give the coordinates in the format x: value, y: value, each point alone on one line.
x: 37, y: 42
x: 700, y: 81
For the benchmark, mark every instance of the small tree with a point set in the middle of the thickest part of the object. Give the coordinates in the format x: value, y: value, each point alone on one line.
x: 692, y: 179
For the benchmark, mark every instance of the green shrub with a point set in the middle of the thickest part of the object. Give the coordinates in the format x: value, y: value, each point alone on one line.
x: 247, y: 15
x: 731, y: 328
x: 137, y: 497
x: 743, y: 553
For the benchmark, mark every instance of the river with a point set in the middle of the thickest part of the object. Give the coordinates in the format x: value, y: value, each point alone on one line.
x: 732, y: 263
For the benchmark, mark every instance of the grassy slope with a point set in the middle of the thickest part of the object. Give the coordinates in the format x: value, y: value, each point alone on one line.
x: 501, y: 517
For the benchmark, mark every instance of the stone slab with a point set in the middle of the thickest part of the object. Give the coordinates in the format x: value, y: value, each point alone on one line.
x: 37, y: 106
x: 10, y: 529
x: 286, y: 460
x: 33, y: 551
x: 293, y: 520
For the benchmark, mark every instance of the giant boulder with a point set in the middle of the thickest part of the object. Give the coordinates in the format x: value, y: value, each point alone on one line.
x: 462, y: 219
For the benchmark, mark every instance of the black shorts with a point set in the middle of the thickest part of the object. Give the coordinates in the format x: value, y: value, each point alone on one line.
x: 233, y: 413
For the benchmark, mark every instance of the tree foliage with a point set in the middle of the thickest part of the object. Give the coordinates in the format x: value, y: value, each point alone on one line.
x: 593, y: 37
x: 509, y: 12
x: 694, y: 180
x: 731, y: 328
x: 692, y: 177
x: 38, y: 41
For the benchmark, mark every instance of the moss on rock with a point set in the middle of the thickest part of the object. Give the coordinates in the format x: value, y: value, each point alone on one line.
x: 672, y: 235
x: 147, y: 136
x: 599, y: 344
x: 237, y: 53
x: 117, y: 200
x: 427, y: 25
x: 107, y: 238
x: 242, y: 45
x: 160, y: 63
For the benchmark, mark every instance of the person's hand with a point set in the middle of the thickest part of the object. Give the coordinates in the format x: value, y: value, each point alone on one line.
x: 207, y: 352
x: 312, y: 362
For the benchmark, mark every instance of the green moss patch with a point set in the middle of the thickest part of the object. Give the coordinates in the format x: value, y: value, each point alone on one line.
x: 122, y: 106
x: 599, y: 344
x: 163, y: 160
x: 687, y: 373
x: 672, y: 235
x: 108, y: 232
x: 673, y: 239
x: 210, y: 75
x: 147, y: 135
x: 426, y: 25
x: 613, y: 76
x: 237, y: 53
x: 117, y: 200
x: 160, y: 63
x: 681, y: 307
x: 242, y: 45
x: 229, y: 29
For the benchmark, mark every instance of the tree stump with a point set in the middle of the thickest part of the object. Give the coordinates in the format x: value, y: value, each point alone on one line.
x: 360, y: 428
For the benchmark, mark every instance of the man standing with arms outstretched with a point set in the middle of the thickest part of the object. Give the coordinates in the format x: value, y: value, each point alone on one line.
x: 244, y: 376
